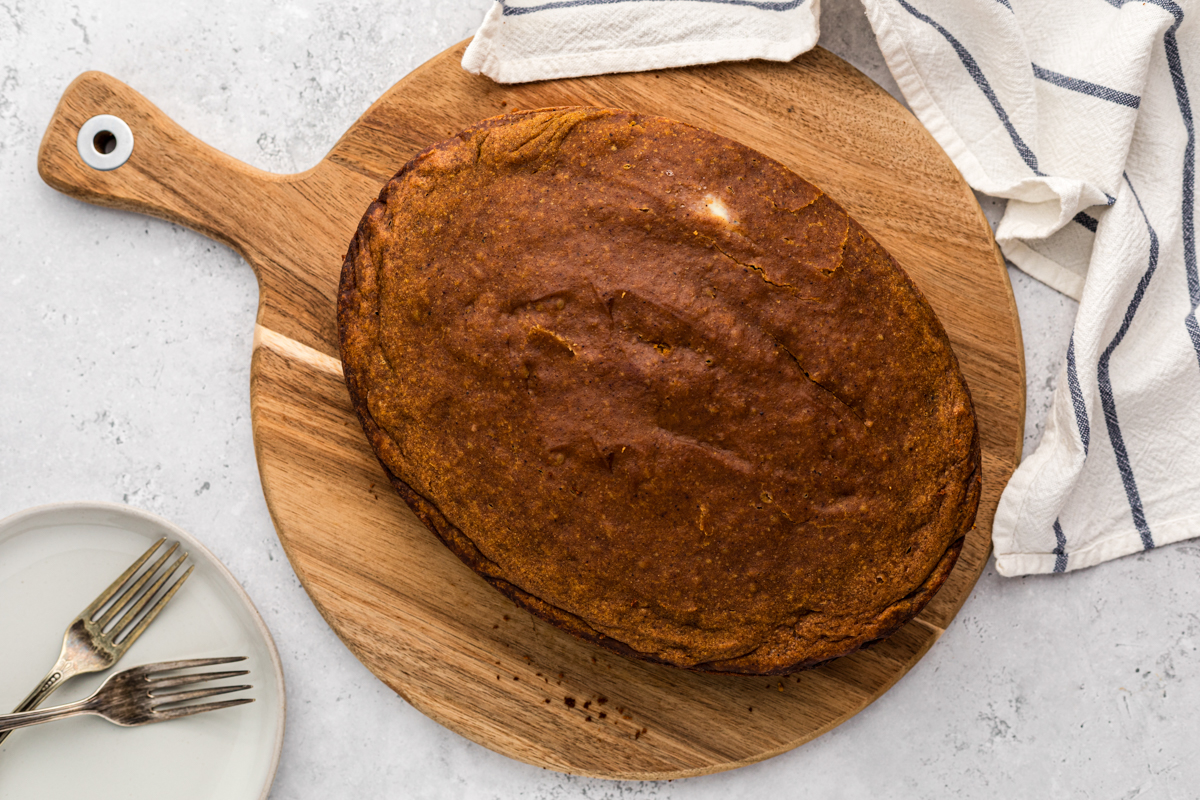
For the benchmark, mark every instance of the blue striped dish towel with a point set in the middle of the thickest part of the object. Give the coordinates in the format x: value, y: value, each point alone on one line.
x: 1079, y: 112
x: 529, y: 40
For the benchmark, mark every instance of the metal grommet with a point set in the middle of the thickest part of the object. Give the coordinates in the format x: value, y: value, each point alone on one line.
x: 105, y: 142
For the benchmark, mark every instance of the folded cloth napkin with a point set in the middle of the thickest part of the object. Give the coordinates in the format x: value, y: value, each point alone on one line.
x: 530, y: 40
x: 1078, y: 112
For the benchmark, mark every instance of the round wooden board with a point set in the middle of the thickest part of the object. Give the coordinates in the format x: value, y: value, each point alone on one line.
x: 425, y: 624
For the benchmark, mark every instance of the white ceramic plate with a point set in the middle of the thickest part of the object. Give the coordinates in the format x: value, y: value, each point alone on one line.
x: 54, y: 560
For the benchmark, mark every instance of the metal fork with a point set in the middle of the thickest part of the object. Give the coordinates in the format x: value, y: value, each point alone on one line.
x: 87, y: 646
x: 137, y: 696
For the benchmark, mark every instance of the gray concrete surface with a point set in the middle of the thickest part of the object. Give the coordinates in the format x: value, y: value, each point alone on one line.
x: 126, y: 354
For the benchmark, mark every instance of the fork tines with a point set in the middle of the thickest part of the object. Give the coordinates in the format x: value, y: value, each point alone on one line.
x: 162, y: 701
x: 136, y: 596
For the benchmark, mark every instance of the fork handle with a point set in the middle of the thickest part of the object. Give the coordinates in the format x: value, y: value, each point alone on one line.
x: 10, y: 722
x: 55, y: 678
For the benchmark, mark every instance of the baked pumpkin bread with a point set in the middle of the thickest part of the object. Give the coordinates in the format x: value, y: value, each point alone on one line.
x: 658, y: 390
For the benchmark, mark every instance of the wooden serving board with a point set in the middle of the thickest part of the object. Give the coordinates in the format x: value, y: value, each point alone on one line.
x: 420, y: 620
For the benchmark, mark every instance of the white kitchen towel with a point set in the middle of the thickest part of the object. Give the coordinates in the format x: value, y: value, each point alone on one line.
x: 1079, y: 112
x: 530, y: 40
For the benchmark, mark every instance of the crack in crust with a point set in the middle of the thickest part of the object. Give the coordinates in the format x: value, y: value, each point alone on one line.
x: 809, y: 378
x: 762, y: 273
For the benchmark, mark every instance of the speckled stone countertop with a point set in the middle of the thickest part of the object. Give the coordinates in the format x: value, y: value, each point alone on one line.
x: 127, y: 341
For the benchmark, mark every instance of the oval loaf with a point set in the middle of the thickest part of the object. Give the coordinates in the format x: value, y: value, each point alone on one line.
x: 659, y: 390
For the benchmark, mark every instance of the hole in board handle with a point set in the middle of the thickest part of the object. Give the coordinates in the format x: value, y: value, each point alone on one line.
x: 104, y: 142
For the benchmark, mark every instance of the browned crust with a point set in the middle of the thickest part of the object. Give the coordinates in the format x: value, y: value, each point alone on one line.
x: 777, y: 659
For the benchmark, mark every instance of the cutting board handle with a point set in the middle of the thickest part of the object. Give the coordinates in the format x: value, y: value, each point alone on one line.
x: 169, y: 173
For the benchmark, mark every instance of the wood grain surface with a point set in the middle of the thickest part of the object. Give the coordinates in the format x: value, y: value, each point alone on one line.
x: 425, y: 624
